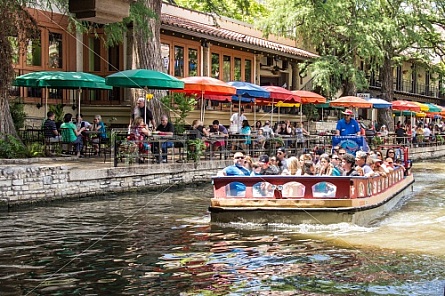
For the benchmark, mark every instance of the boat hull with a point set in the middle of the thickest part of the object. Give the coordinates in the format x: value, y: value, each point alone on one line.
x: 359, y: 211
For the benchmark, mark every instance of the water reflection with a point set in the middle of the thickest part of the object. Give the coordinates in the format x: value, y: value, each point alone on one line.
x: 163, y: 244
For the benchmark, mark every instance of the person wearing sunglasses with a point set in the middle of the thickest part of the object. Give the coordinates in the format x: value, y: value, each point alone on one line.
x: 237, y: 169
x: 348, y: 125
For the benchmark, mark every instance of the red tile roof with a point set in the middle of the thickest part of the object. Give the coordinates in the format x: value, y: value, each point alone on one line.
x: 211, y: 31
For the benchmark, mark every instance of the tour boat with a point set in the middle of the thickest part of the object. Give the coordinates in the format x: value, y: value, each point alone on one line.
x: 308, y: 199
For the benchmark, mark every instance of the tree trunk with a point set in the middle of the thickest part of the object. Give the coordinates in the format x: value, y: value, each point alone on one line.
x: 147, y: 49
x: 385, y: 115
x: 6, y: 74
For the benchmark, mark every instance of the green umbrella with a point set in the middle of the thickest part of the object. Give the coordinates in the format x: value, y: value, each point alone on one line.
x: 59, y: 79
x: 433, y: 108
x: 143, y: 78
x: 62, y: 80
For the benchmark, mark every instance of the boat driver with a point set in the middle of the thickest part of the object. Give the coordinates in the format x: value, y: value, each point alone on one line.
x: 347, y: 126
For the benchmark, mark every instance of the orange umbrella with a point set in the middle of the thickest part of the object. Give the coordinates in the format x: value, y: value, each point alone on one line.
x: 204, y: 85
x: 309, y: 97
x: 351, y: 102
x: 405, y: 106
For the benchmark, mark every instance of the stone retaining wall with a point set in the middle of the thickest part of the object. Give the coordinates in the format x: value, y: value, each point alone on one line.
x: 31, y: 183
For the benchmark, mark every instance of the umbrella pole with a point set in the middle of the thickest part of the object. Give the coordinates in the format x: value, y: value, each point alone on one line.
x: 201, y: 117
x: 78, y: 107
x: 46, y: 101
x: 254, y: 113
x: 301, y: 114
x: 239, y: 113
x: 271, y: 113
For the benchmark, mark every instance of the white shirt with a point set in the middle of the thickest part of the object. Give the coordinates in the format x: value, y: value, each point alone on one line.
x: 236, y: 121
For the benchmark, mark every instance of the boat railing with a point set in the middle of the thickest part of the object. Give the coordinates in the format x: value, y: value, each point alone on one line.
x: 304, y: 187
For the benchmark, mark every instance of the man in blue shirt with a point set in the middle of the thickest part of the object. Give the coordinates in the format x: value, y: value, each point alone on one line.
x: 237, y: 169
x: 348, y: 125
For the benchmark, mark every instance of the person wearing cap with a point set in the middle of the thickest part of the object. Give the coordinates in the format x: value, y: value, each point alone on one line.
x: 237, y: 169
x: 236, y: 121
x: 347, y: 164
x: 140, y: 110
x: 348, y: 125
x: 266, y: 167
x: 360, y: 161
x: 281, y: 159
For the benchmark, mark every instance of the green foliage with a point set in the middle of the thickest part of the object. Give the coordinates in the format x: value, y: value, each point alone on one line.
x: 243, y: 10
x: 181, y: 104
x: 11, y: 147
x: 17, y: 113
x: 196, y: 149
x: 58, y: 111
x: 310, y: 111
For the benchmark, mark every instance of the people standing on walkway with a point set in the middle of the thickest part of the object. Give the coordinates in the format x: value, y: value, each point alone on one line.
x: 141, y: 110
x: 347, y: 125
x: 300, y: 132
x: 236, y: 121
x: 267, y: 130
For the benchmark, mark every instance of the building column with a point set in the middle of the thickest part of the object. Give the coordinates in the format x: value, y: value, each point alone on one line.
x: 295, y: 76
x: 205, y: 58
x: 257, y: 69
x: 79, y: 51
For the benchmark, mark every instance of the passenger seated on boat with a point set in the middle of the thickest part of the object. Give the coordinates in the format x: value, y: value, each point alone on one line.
x: 281, y: 159
x: 389, y: 164
x: 293, y: 167
x: 237, y: 169
x: 336, y: 162
x: 326, y: 168
x: 347, y: 163
x: 308, y: 168
x: 378, y: 169
x: 399, y: 163
x: 266, y: 167
x: 256, y: 169
x: 248, y: 163
x: 360, y: 160
x: 302, y: 159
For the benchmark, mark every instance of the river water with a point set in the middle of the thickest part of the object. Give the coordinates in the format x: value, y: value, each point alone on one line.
x: 162, y: 244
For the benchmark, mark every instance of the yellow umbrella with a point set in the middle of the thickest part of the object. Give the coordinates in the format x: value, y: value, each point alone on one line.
x: 285, y: 104
x: 423, y: 107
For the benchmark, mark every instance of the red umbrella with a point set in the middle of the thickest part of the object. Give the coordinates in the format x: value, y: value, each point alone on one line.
x: 402, y: 105
x: 351, y: 102
x: 309, y: 97
x: 203, y: 85
x: 281, y: 94
x: 278, y: 94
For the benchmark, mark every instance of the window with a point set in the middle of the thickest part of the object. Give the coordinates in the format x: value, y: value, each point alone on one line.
x: 227, y: 68
x: 179, y: 61
x: 215, y: 65
x: 165, y: 53
x: 34, y: 52
x: 193, y: 62
x: 55, y: 51
x: 93, y: 54
x: 113, y: 58
x: 248, y: 71
x: 237, y: 74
